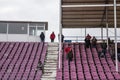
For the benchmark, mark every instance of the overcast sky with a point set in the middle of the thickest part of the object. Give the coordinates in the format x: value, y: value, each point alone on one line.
x: 27, y: 9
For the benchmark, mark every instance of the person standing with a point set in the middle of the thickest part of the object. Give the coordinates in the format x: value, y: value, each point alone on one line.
x: 104, y: 48
x: 62, y: 37
x: 87, y: 41
x: 94, y: 41
x: 69, y: 54
x: 52, y: 37
x: 42, y: 37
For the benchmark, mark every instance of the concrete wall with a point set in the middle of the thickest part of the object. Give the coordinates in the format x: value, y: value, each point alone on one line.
x: 19, y: 38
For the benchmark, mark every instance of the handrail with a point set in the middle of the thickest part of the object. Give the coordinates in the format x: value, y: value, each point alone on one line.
x: 81, y: 38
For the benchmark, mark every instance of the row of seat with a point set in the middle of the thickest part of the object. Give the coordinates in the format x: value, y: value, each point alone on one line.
x: 86, y: 65
x: 18, y: 60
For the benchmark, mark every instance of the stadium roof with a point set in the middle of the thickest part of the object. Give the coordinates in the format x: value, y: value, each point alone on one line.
x: 89, y: 13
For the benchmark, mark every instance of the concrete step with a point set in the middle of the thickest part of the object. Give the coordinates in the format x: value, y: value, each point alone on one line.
x: 53, y: 44
x: 51, y: 61
x: 47, y: 73
x: 53, y: 74
x: 52, y: 56
x: 50, y: 66
x: 48, y: 78
x: 54, y: 52
x: 49, y: 70
x: 53, y: 49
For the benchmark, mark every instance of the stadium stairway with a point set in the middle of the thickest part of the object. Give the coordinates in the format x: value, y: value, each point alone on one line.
x: 50, y: 65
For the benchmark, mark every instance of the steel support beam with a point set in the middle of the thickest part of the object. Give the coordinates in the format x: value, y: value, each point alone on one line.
x: 60, y: 33
x: 106, y: 11
x: 94, y: 5
x: 115, y: 26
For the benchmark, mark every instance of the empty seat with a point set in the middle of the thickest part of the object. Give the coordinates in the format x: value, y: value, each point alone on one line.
x: 18, y: 59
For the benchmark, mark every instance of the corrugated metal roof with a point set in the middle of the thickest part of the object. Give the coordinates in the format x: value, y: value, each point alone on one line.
x: 79, y: 17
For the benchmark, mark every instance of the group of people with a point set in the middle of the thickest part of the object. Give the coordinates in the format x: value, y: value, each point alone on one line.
x: 52, y: 37
x: 90, y: 42
x: 112, y: 49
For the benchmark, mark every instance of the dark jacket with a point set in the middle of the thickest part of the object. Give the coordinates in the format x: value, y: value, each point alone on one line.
x: 87, y: 42
x: 104, y: 46
x: 62, y: 37
x: 42, y: 36
x: 94, y: 41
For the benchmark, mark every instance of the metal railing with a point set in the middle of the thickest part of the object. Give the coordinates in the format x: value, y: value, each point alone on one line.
x: 81, y: 38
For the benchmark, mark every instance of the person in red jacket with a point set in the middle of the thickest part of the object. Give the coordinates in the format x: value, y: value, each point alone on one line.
x: 69, y: 54
x: 52, y: 37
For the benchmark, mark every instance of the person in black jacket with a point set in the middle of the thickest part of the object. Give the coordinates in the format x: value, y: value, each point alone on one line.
x: 104, y: 48
x: 87, y: 41
x: 42, y: 37
x: 94, y: 41
x: 62, y: 37
x: 40, y: 66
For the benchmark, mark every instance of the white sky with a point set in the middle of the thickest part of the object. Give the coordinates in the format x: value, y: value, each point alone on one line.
x: 27, y: 9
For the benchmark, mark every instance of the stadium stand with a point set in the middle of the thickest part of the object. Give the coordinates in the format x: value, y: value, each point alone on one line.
x: 87, y: 65
x: 18, y: 60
